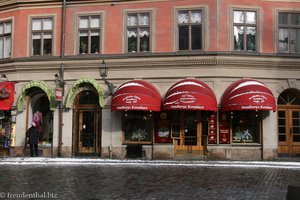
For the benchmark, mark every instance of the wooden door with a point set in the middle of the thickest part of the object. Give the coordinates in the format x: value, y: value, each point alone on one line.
x: 289, y: 132
x: 189, y: 141
x: 87, y: 132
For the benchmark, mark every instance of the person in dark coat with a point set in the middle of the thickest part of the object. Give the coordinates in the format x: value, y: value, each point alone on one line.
x: 33, y: 139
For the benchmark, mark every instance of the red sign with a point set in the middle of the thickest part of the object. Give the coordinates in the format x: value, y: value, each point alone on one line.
x: 58, y: 94
x: 224, y: 128
x: 212, y: 129
x: 6, y: 95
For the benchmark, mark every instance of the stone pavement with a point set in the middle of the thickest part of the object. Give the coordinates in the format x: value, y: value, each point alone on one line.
x: 67, y: 178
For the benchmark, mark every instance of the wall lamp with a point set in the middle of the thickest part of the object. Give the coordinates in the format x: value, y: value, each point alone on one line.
x: 103, y: 70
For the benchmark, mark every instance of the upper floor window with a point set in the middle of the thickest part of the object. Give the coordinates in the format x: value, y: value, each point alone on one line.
x: 138, y: 32
x: 189, y: 30
x: 5, y: 39
x: 42, y: 34
x: 89, y: 34
x: 245, y: 30
x: 289, y: 32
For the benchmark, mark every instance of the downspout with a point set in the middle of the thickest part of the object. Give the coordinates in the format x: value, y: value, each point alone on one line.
x: 62, y: 83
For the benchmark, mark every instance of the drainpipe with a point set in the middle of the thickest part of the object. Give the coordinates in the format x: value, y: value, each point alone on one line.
x: 62, y: 84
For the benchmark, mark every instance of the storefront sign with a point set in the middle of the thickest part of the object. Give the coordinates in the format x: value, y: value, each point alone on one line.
x: 224, y: 128
x: 6, y: 95
x: 212, y: 129
x: 58, y: 94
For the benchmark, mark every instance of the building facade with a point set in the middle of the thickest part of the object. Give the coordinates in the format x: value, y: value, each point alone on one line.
x: 189, y: 79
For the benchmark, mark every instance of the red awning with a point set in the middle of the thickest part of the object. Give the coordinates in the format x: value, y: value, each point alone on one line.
x: 190, y: 94
x: 136, y: 95
x: 247, y: 94
x: 6, y: 95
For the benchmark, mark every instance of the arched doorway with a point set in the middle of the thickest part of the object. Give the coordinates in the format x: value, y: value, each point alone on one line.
x: 289, y: 123
x: 87, y: 124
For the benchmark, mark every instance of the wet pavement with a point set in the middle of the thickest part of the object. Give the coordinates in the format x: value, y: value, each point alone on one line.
x: 46, y: 178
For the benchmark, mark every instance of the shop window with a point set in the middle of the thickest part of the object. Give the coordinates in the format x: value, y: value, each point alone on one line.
x: 245, y: 127
x: 138, y: 126
x: 42, y: 36
x: 245, y: 30
x: 138, y: 32
x: 89, y: 34
x: 288, y: 32
x: 5, y: 39
x: 189, y: 30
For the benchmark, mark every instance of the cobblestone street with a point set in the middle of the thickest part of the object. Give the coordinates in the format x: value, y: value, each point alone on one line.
x: 94, y: 179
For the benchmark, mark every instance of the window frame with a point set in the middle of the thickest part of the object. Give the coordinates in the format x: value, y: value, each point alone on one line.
x: 245, y: 25
x: 202, y: 25
x: 42, y: 32
x: 138, y: 27
x: 5, y: 35
x: 289, y: 26
x: 89, y: 29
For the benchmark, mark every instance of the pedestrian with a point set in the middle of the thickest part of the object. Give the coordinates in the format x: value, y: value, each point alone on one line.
x: 33, y: 139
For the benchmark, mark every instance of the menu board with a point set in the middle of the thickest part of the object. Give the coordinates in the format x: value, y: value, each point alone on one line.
x: 212, y: 129
x: 224, y: 128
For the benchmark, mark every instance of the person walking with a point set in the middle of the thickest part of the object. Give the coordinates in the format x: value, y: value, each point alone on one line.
x: 33, y: 139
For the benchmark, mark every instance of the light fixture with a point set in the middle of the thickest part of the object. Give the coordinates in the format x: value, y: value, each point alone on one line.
x: 103, y: 70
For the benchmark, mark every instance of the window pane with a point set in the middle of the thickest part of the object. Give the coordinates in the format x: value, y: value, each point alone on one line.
x: 144, y: 41
x: 282, y: 138
x: 296, y: 138
x: 296, y: 130
x: 296, y: 114
x: 132, y: 44
x: 132, y: 20
x: 47, y: 46
x: 295, y: 41
x: 251, y: 38
x: 282, y: 130
x: 238, y: 38
x: 95, y: 22
x: 238, y: 17
x: 36, y: 45
x: 83, y: 22
x: 138, y: 126
x: 245, y: 127
x: 196, y: 37
x: 283, y: 37
x: 95, y: 42
x: 144, y: 19
x: 36, y: 24
x: 1, y: 28
x: 7, y: 47
x: 283, y: 18
x: 196, y: 16
x: 83, y: 41
x: 1, y: 46
x: 295, y: 19
x: 47, y: 24
x: 251, y: 17
x: 183, y: 17
x: 183, y: 38
x: 8, y: 27
x: 281, y: 114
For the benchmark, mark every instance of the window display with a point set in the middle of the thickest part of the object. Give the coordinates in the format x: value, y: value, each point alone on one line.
x: 245, y: 127
x: 137, y: 126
